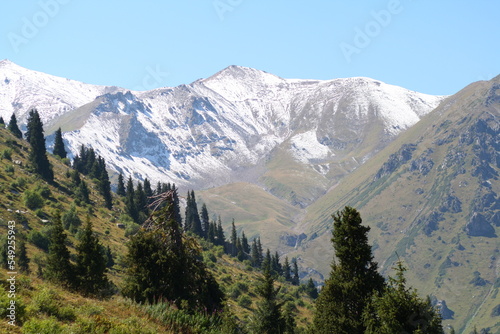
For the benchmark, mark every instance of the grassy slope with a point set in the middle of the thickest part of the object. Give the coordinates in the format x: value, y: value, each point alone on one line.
x: 393, y: 206
x: 75, y: 311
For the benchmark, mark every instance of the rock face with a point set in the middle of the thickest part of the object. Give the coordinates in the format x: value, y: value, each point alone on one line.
x: 478, y: 226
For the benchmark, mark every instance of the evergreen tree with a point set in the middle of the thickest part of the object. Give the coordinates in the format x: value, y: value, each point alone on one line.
x: 59, y: 149
x: 59, y: 268
x: 23, y: 260
x: 82, y: 192
x: 311, y: 289
x: 193, y: 222
x: 90, y: 263
x: 353, y: 279
x: 120, y: 189
x: 260, y: 251
x: 268, y: 318
x: 244, y: 243
x: 266, y: 263
x: 104, y: 184
x: 2, y: 122
x: 141, y: 202
x: 12, y: 127
x: 212, y: 232
x: 159, y: 255
x: 221, y: 239
x: 295, y: 272
x: 205, y: 220
x: 130, y: 201
x: 255, y: 257
x: 110, y: 262
x: 148, y: 192
x: 287, y: 270
x: 398, y: 309
x: 234, y: 237
x: 38, y: 154
x: 276, y: 265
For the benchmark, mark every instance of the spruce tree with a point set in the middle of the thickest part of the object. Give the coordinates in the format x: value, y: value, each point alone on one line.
x: 130, y: 201
x: 311, y: 289
x: 287, y: 270
x: 90, y: 263
x: 205, y: 220
x: 267, y: 262
x: 267, y: 318
x: 192, y: 222
x: 148, y: 192
x: 221, y: 239
x: 23, y: 260
x: 59, y: 267
x: 353, y: 278
x: 2, y: 122
x: 399, y: 309
x: 295, y: 272
x: 12, y: 127
x: 120, y: 190
x: 255, y: 257
x: 234, y: 237
x: 59, y: 149
x: 38, y: 154
x: 164, y: 264
x: 244, y: 243
x: 104, y: 184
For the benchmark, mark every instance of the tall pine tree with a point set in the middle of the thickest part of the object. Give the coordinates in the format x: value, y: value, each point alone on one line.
x: 14, y: 128
x: 399, y: 309
x: 38, y: 154
x: 59, y: 149
x: 90, y: 263
x: 120, y: 189
x: 59, y: 267
x: 267, y: 318
x: 353, y: 279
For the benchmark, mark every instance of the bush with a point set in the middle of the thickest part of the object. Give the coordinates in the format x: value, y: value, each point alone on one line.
x: 6, y: 154
x: 20, y: 309
x: 244, y: 301
x: 9, y: 169
x: 41, y: 238
x: 70, y: 219
x: 33, y: 200
x: 47, y: 302
x: 42, y: 326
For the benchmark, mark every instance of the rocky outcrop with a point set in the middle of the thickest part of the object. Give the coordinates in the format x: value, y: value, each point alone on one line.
x: 478, y: 226
x: 396, y: 160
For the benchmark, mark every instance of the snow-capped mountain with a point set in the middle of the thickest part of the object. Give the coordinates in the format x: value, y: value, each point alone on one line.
x: 220, y: 129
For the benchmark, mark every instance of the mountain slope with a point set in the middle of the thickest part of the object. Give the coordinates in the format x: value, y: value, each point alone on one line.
x: 432, y: 198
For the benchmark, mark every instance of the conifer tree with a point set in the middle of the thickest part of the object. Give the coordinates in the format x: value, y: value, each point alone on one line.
x: 255, y: 257
x: 83, y: 192
x: 260, y: 250
x: 205, y: 220
x: 295, y: 272
x: 268, y: 318
x: 59, y: 267
x: 38, y: 154
x: 104, y: 184
x: 311, y: 289
x: 148, y: 192
x: 221, y: 239
x: 110, y: 262
x: 90, y: 263
x: 59, y: 149
x: 233, y: 240
x: 23, y: 260
x: 244, y: 243
x: 267, y: 262
x: 399, y: 309
x: 2, y: 122
x: 130, y: 201
x: 120, y: 189
x: 353, y: 278
x: 287, y: 270
x: 14, y: 128
x: 165, y: 264
x: 192, y: 222
x: 141, y: 201
x: 276, y: 265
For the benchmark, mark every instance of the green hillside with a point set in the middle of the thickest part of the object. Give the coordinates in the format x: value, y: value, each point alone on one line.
x: 46, y: 307
x: 431, y: 197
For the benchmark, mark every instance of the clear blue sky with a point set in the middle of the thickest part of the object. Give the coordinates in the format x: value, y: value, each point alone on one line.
x: 434, y: 47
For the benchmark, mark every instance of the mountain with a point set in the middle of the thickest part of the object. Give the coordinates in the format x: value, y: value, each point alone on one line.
x: 431, y: 198
x: 225, y: 128
x: 22, y: 89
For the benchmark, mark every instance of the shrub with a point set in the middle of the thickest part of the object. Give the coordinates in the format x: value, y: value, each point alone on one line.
x: 7, y: 154
x: 9, y: 169
x: 42, y: 326
x: 244, y: 301
x: 33, y: 200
